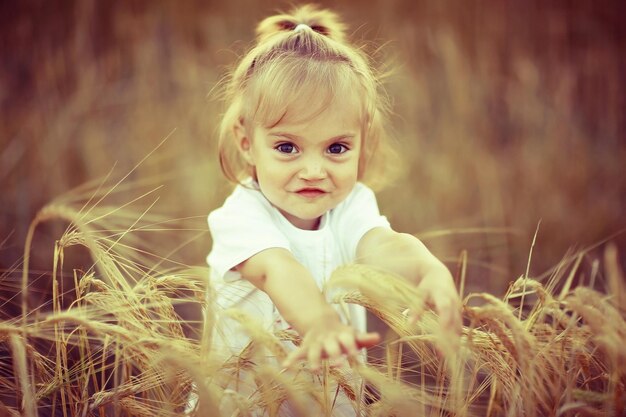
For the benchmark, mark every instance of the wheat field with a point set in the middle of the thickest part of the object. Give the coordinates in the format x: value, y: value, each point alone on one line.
x: 111, y: 342
x: 509, y: 116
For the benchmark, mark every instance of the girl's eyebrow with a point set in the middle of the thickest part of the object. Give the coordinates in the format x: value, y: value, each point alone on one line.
x: 296, y: 137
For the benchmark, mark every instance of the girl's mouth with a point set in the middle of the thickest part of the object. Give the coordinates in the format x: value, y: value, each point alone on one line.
x: 310, y: 192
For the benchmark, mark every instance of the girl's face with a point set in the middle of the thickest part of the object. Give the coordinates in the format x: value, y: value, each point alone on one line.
x: 307, y: 168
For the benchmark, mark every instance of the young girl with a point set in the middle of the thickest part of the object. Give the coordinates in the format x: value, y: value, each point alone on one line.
x: 303, y: 132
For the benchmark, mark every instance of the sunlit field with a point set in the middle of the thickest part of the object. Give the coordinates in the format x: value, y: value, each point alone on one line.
x: 510, y: 120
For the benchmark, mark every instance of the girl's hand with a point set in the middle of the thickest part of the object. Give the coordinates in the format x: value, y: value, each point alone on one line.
x: 330, y: 339
x: 441, y: 294
x: 407, y: 256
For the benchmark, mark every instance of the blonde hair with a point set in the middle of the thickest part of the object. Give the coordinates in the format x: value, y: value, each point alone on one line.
x: 304, y: 54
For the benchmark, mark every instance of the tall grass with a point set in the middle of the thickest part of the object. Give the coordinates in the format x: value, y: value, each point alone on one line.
x: 113, y: 343
x: 507, y: 112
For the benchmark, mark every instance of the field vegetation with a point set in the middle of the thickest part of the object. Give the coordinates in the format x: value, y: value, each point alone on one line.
x: 510, y: 117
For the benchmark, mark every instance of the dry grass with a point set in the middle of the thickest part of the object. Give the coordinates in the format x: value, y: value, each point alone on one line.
x: 533, y: 94
x: 508, y: 112
x: 118, y: 347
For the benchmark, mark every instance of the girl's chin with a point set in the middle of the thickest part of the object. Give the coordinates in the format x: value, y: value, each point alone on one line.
x: 303, y: 222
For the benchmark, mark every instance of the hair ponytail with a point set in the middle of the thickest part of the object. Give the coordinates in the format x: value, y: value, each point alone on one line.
x: 324, y: 22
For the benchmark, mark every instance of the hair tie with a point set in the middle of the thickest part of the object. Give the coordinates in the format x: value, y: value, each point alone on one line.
x: 301, y: 26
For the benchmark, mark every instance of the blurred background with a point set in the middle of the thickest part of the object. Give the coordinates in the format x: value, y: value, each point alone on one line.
x: 507, y: 113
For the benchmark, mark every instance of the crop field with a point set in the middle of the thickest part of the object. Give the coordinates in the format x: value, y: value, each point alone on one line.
x: 510, y: 119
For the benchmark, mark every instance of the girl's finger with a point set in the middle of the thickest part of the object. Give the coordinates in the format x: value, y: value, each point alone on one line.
x: 332, y: 349
x: 348, y: 344
x: 314, y: 355
x: 366, y: 340
x: 449, y: 312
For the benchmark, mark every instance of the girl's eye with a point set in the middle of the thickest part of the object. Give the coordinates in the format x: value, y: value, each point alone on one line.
x: 337, y: 148
x: 286, y: 148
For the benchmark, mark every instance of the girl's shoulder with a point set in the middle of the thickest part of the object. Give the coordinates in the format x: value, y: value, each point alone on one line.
x: 248, y: 192
x: 245, y: 200
x: 359, y: 207
x: 354, y: 217
x: 360, y: 197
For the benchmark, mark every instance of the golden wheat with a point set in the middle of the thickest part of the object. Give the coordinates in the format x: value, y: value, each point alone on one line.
x: 114, y: 344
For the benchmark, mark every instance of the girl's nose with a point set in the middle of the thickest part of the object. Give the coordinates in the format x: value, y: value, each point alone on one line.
x: 313, y: 170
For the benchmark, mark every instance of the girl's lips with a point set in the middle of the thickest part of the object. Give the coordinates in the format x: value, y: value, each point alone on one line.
x: 310, y: 192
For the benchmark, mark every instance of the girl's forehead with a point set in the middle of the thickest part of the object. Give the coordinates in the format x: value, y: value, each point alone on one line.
x: 340, y: 109
x: 340, y: 116
x: 349, y: 108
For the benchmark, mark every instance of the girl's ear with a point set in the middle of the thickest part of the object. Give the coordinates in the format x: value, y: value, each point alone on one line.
x: 243, y: 142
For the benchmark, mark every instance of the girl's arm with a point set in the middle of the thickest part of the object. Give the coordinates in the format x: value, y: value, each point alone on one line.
x: 407, y: 256
x: 298, y: 299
